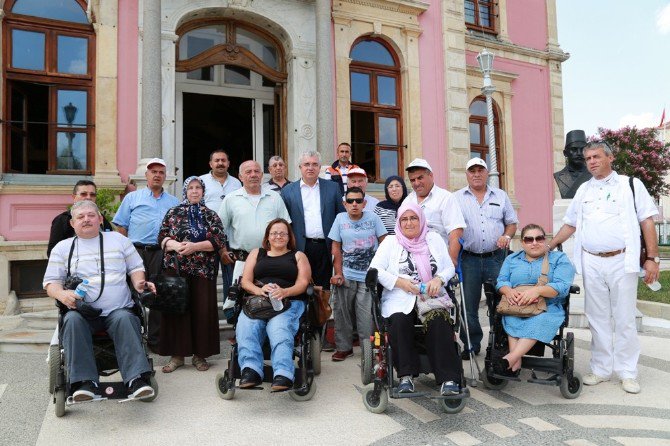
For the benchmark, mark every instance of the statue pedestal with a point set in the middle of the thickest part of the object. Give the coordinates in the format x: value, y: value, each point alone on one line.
x: 560, y: 208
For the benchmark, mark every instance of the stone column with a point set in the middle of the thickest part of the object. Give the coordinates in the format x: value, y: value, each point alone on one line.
x: 151, y: 81
x: 325, y: 135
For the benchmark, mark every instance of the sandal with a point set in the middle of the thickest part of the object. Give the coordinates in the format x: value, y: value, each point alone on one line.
x: 200, y: 364
x: 172, y: 365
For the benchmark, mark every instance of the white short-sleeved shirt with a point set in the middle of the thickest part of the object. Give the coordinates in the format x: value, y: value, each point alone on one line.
x: 215, y: 191
x: 443, y: 214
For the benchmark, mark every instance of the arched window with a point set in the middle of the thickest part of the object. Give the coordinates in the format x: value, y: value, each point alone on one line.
x: 479, y: 131
x: 49, y: 75
x: 376, y: 109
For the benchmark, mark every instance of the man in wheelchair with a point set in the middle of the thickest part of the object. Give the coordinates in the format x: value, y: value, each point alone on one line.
x: 101, y: 262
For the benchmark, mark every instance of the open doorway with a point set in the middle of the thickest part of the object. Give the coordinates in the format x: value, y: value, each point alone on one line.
x: 212, y: 122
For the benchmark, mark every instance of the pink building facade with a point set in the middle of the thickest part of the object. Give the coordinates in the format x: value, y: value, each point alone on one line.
x: 178, y: 78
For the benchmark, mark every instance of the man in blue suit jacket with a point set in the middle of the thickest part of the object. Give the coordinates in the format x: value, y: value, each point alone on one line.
x: 313, y: 204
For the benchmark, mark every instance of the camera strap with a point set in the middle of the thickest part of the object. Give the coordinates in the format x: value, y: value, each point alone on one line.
x: 102, y: 264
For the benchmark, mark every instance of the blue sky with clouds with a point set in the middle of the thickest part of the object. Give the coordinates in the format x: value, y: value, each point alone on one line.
x: 618, y: 72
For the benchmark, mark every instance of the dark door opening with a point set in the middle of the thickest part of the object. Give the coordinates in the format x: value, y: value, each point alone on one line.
x: 213, y: 122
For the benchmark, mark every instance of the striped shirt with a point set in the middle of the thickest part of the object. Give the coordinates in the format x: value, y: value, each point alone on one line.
x: 486, y: 221
x: 388, y: 217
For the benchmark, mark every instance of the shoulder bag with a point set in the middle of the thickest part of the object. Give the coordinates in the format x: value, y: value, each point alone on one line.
x: 509, y: 309
x: 260, y: 307
x: 643, y: 247
x: 172, y: 293
x: 320, y: 310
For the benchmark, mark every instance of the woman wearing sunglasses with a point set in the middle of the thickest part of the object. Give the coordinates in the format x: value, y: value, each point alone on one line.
x: 524, y: 268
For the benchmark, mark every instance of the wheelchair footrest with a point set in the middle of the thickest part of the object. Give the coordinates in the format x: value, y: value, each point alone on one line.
x: 505, y: 377
x: 547, y: 365
x: 553, y: 380
x: 70, y: 400
x: 396, y: 394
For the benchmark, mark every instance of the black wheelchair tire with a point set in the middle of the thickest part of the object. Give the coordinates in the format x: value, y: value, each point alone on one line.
x: 492, y: 383
x: 367, y: 370
x: 452, y: 406
x: 307, y: 395
x: 224, y: 387
x: 315, y: 353
x: 571, y: 388
x: 60, y: 402
x: 54, y: 366
x: 375, y: 402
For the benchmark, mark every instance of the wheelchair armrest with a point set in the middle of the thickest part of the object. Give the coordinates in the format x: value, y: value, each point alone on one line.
x: 575, y: 289
x: 371, y: 278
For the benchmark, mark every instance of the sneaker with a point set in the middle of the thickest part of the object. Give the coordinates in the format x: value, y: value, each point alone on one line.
x: 341, y: 356
x: 450, y: 388
x: 630, y: 385
x: 592, y: 379
x: 139, y: 389
x: 406, y: 385
x: 85, y: 391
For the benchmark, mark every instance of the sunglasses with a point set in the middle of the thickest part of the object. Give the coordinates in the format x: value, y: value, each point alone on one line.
x: 354, y: 200
x: 529, y: 240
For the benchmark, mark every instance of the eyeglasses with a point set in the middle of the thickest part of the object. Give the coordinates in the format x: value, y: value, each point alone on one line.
x: 87, y: 194
x: 355, y: 200
x: 528, y: 240
x: 412, y: 219
x: 278, y: 234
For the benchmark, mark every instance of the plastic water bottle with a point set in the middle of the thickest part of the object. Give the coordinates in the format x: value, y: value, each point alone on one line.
x: 81, y: 288
x: 277, y: 304
x: 654, y: 286
x: 423, y: 288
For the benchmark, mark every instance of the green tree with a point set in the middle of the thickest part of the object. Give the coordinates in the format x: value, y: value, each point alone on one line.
x: 106, y: 201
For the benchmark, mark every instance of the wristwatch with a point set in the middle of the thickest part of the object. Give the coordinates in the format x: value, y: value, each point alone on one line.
x: 656, y: 259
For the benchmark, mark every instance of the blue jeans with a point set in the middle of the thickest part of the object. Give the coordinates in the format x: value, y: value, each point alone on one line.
x: 476, y: 271
x: 281, y: 331
x: 122, y: 326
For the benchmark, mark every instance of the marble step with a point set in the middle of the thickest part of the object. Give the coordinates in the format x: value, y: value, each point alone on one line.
x: 41, y: 320
x: 23, y: 340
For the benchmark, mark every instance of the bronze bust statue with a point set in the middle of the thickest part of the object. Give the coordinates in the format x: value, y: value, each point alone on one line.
x: 574, y: 173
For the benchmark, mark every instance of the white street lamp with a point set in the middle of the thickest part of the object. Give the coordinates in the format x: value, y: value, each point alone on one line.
x: 485, y: 59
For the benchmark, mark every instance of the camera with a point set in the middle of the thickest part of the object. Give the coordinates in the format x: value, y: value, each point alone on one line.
x: 72, y: 282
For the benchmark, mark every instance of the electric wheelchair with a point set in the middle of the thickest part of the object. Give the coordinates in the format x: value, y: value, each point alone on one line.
x: 105, y: 358
x: 307, y: 351
x: 559, y: 369
x: 377, y: 373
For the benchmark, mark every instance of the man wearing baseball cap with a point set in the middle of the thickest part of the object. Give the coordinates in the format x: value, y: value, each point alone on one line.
x: 491, y: 224
x: 358, y: 178
x: 139, y: 218
x: 441, y: 208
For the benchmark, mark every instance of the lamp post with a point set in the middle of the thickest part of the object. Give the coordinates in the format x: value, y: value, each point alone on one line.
x: 485, y: 59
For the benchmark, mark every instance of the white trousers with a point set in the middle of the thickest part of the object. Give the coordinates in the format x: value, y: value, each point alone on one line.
x: 609, y: 303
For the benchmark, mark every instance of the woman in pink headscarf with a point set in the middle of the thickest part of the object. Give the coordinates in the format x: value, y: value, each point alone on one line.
x: 413, y: 266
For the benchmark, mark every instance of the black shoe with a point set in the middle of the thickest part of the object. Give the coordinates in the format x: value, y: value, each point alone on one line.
x: 406, y: 385
x: 465, y: 355
x: 280, y: 383
x: 450, y: 388
x: 85, y: 391
x: 139, y: 389
x: 501, y: 366
x: 250, y: 378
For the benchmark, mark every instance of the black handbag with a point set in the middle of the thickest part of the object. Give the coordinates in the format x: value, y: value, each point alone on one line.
x: 172, y: 293
x: 260, y: 307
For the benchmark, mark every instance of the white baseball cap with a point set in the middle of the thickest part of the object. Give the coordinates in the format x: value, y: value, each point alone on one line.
x: 356, y: 171
x: 476, y: 162
x: 156, y: 161
x: 419, y: 162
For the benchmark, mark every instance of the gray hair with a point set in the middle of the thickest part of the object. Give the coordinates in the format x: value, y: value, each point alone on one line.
x: 276, y: 158
x: 309, y: 154
x: 83, y: 204
x: 595, y: 145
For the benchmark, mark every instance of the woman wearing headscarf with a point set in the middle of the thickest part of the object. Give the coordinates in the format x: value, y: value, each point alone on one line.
x: 405, y: 261
x: 396, y: 191
x: 191, y: 236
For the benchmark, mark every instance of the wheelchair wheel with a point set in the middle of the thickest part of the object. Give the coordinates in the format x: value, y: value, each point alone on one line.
x: 375, y: 402
x: 367, y: 370
x: 60, y: 402
x: 54, y: 366
x: 306, y: 395
x: 315, y: 353
x: 452, y: 406
x: 154, y: 385
x: 225, y: 386
x: 571, y: 388
x: 492, y: 383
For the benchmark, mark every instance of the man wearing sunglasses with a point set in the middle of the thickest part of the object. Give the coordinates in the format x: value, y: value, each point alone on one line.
x: 491, y: 223
x: 61, y: 227
x: 356, y: 234
x: 607, y: 216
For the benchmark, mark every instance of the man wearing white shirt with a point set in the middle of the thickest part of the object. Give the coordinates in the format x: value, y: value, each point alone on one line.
x: 607, y: 217
x: 358, y: 178
x: 218, y: 182
x: 443, y: 214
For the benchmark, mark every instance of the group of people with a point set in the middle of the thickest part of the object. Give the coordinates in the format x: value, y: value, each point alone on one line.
x: 331, y: 231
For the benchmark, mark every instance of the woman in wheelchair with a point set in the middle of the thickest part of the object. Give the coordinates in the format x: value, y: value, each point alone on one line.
x: 281, y: 272
x: 408, y: 262
x: 523, y: 268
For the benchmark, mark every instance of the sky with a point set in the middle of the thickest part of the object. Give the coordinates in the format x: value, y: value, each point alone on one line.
x: 618, y: 72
